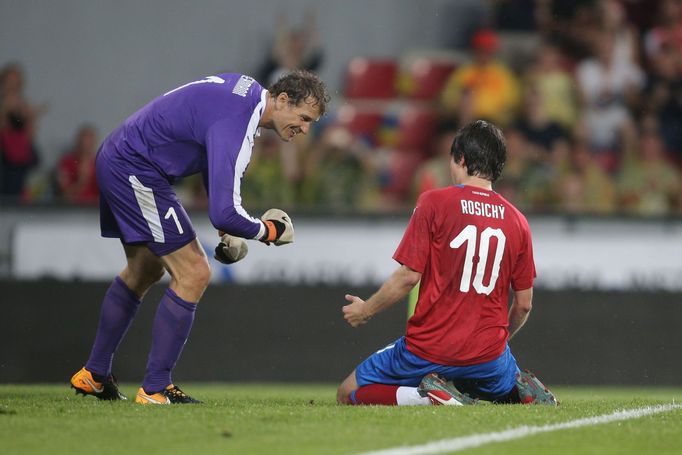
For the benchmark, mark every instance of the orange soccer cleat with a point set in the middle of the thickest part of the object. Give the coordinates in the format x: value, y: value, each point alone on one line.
x: 87, y: 383
x: 170, y: 395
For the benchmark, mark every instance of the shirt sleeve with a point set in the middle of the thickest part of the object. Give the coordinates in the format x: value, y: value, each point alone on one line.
x: 523, y: 273
x: 229, y: 152
x: 415, y: 247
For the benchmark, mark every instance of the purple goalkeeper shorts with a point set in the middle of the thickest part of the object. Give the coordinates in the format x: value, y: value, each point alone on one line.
x: 138, y: 205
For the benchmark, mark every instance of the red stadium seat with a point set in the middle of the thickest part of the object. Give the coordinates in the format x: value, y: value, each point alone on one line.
x: 424, y: 77
x: 360, y: 120
x: 368, y: 78
x: 402, y: 170
x: 416, y: 126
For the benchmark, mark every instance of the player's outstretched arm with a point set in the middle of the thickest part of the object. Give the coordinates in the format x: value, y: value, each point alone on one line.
x: 519, y: 310
x: 397, y: 286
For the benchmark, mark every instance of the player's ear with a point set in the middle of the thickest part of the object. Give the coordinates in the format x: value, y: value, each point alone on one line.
x: 282, y: 100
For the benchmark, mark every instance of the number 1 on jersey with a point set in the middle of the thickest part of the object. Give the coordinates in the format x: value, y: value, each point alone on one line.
x: 171, y: 214
x: 468, y: 236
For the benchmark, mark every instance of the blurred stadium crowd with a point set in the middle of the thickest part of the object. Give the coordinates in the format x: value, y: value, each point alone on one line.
x: 589, y: 93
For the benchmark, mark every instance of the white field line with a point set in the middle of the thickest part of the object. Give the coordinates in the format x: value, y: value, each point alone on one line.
x: 476, y: 440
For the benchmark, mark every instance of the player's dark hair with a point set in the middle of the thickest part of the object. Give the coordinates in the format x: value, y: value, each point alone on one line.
x: 483, y: 148
x: 300, y: 85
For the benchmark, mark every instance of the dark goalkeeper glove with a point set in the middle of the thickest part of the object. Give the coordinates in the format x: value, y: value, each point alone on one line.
x: 230, y: 249
x: 278, y: 228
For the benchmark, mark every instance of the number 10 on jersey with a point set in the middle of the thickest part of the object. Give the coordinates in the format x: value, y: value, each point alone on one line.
x: 468, y: 236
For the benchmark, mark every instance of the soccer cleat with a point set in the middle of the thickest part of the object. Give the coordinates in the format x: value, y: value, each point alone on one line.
x: 170, y: 395
x: 532, y: 391
x: 441, y: 392
x: 85, y: 383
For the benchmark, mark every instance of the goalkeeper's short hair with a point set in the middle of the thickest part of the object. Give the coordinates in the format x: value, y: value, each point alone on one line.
x: 300, y: 85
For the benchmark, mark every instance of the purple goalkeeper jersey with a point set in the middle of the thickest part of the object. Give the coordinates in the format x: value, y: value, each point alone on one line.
x: 205, y: 126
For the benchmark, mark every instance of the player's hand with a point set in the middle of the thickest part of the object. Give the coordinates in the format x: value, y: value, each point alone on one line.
x: 355, y: 313
x: 230, y: 249
x: 279, y: 228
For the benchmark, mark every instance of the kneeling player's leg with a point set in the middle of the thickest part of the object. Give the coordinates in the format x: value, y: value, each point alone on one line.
x: 174, y: 317
x: 384, y: 378
x: 501, y: 381
x: 378, y: 394
x: 347, y: 387
x: 529, y: 390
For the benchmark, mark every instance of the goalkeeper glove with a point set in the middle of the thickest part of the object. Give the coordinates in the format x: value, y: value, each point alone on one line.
x: 230, y: 249
x: 278, y: 227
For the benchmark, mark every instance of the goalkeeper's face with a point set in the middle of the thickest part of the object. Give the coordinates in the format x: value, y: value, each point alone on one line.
x: 290, y: 120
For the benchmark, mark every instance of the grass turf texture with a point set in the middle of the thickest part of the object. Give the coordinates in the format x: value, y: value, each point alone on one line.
x: 303, y: 419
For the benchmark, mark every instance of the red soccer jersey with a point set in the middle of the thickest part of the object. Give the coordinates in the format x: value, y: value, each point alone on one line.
x: 470, y: 245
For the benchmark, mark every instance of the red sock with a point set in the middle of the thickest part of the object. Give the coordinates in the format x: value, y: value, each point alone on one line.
x: 375, y: 394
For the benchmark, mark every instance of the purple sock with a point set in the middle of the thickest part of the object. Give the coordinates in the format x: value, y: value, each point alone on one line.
x: 172, y: 324
x: 118, y: 311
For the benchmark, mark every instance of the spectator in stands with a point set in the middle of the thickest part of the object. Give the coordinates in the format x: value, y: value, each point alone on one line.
x: 647, y: 183
x: 531, y: 169
x: 582, y: 185
x: 76, y: 178
x: 608, y: 87
x: 17, y: 130
x: 555, y: 86
x: 511, y: 185
x: 667, y: 33
x: 267, y: 181
x: 340, y: 172
x: 614, y: 21
x: 571, y: 24
x: 540, y: 130
x: 663, y: 96
x: 492, y: 86
x: 434, y: 172
x: 293, y: 48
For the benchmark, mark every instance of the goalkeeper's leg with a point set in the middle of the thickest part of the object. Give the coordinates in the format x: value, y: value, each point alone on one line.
x: 190, y: 273
x: 119, y: 307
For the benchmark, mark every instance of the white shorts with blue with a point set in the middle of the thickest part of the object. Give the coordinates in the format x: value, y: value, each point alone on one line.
x: 395, y: 365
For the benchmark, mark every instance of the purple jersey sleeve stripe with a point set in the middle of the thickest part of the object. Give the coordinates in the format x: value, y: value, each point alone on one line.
x: 229, y: 145
x: 243, y: 161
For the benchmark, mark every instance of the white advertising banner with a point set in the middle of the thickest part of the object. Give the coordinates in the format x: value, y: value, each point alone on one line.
x: 605, y: 254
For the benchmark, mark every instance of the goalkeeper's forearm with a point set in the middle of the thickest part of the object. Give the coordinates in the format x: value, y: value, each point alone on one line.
x: 398, y: 285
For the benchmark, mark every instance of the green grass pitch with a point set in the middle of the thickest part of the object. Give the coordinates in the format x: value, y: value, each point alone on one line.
x: 303, y: 419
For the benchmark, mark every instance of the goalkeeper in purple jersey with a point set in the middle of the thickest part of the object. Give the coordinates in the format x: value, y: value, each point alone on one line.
x: 207, y: 126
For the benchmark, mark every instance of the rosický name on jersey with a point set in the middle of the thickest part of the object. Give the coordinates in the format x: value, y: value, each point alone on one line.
x: 482, y: 209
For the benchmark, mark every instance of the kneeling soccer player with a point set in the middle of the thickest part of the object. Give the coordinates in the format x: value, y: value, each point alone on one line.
x: 466, y: 245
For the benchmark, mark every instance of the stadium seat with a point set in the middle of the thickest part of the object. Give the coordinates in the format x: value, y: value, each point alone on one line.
x: 403, y: 166
x: 361, y: 120
x: 368, y: 78
x: 423, y: 78
x: 416, y: 126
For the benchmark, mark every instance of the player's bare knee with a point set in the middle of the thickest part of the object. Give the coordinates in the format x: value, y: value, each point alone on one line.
x: 198, y: 275
x: 204, y: 274
x: 343, y: 395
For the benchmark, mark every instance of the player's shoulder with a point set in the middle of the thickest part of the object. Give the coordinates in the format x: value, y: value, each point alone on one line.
x: 438, y: 194
x: 235, y: 88
x: 514, y: 212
